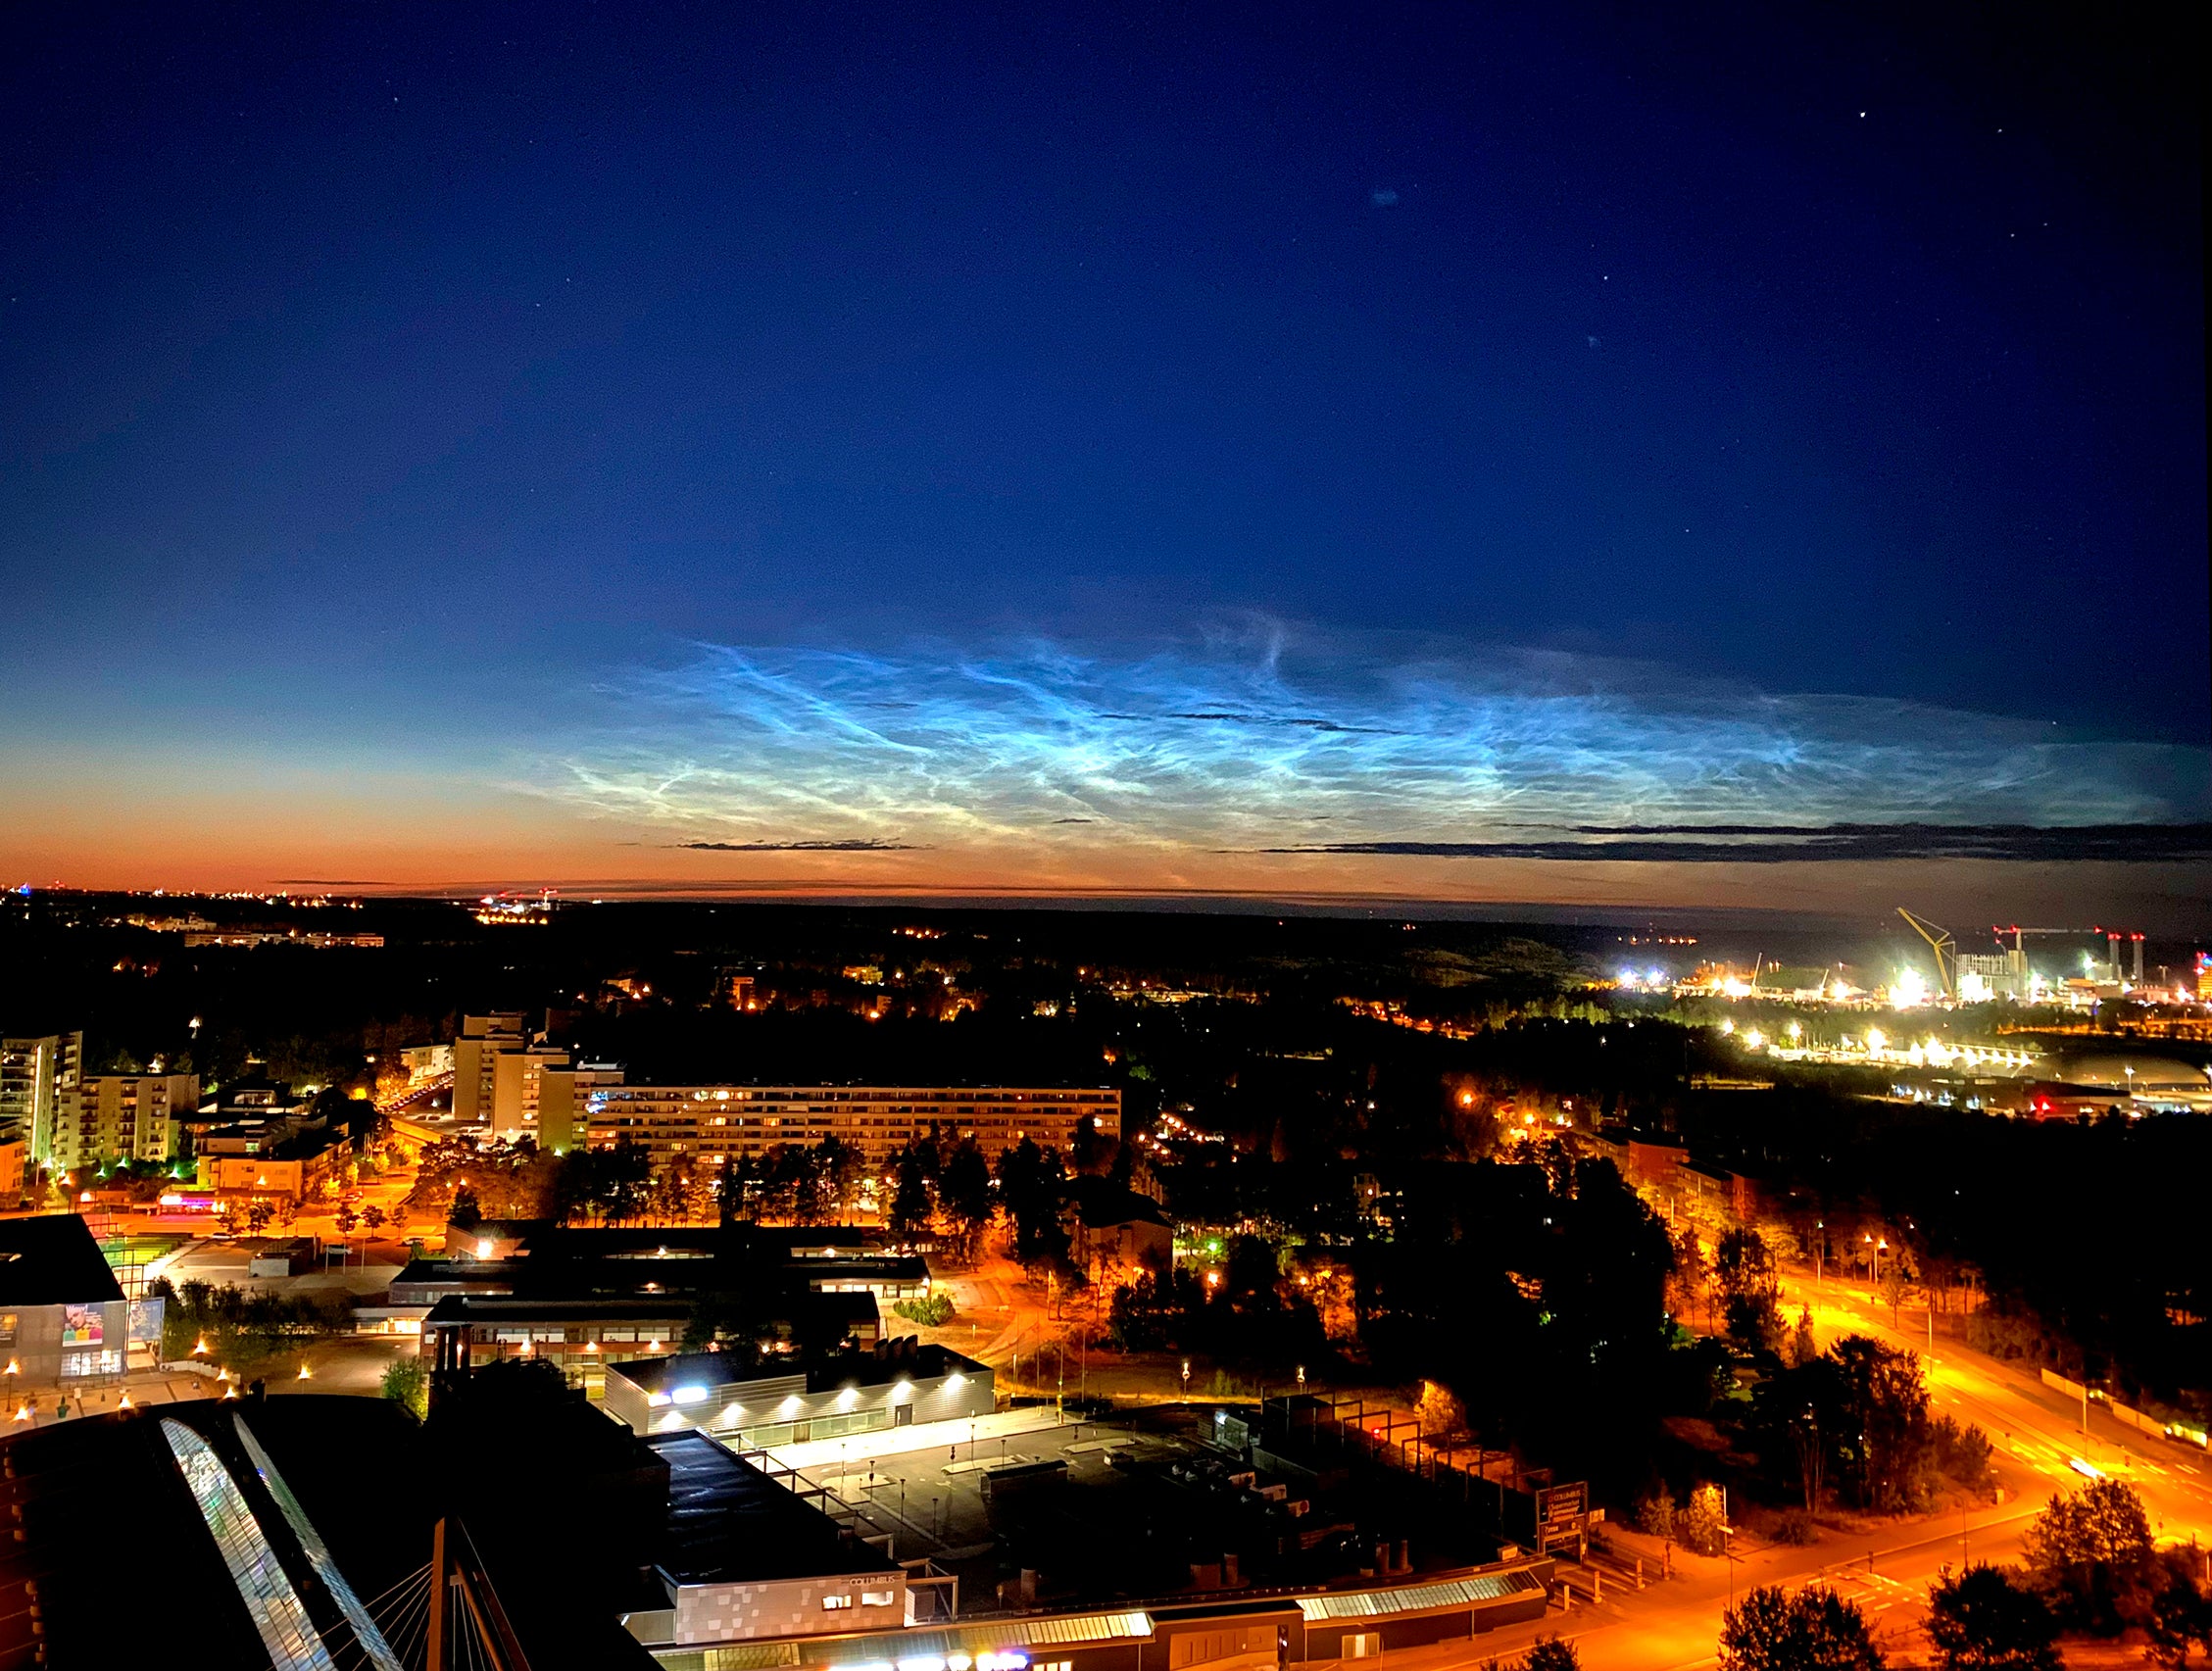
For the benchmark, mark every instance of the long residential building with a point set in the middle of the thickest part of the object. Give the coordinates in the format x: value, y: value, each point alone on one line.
x: 687, y: 1123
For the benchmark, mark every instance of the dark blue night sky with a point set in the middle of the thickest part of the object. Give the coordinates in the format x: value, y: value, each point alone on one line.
x: 1154, y: 432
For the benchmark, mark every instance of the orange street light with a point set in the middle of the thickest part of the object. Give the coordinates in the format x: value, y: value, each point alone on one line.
x: 304, y: 1373
x: 201, y: 1350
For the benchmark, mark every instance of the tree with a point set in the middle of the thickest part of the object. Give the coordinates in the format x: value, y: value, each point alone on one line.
x: 1896, y: 1283
x: 1867, y: 1406
x: 1691, y: 1269
x: 466, y: 1213
x: 727, y: 1193
x: 407, y: 1386
x: 1981, y: 1621
x: 1814, y: 1629
x: 257, y: 1216
x: 910, y: 1206
x: 1439, y: 1415
x: 1551, y: 1654
x: 1702, y: 1525
x: 2091, y: 1556
x: 1030, y: 1184
x: 1744, y: 1268
x: 1802, y: 1347
x: 964, y: 1193
x: 2180, y: 1615
x: 373, y: 1216
x: 346, y: 1219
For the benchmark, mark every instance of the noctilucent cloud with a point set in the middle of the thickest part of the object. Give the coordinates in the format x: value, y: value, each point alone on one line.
x: 1360, y: 453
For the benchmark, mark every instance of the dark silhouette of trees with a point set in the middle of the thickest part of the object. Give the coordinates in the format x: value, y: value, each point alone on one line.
x: 912, y: 1207
x: 1980, y: 1620
x: 1813, y: 1630
x: 2091, y: 1556
x: 1750, y: 1287
x: 964, y: 1192
x: 1032, y: 1185
x: 1857, y: 1417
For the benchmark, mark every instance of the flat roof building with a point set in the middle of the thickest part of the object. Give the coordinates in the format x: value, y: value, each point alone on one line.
x: 754, y: 1406
x: 678, y: 1124
x: 63, y: 1319
x: 124, y: 1117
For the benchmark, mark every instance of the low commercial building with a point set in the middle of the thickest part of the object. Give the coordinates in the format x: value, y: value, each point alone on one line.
x: 897, y: 1385
x: 292, y: 1170
x: 582, y: 1333
x: 63, y: 1319
x: 695, y: 1124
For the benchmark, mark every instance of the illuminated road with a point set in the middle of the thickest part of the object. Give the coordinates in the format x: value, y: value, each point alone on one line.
x: 1675, y: 1625
x: 2039, y: 1429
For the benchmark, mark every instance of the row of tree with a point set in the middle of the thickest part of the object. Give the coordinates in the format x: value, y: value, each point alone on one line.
x: 244, y: 1331
x: 937, y: 1187
x: 2090, y: 1568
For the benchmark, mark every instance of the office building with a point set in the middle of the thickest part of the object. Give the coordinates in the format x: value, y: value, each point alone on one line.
x: 33, y: 1074
x: 124, y: 1117
x: 686, y: 1124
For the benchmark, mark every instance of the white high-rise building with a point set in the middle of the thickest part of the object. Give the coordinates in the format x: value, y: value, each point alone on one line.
x: 35, y: 1073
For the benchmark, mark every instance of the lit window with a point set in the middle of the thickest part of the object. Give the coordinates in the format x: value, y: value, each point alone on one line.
x: 879, y: 1598
x: 830, y: 1603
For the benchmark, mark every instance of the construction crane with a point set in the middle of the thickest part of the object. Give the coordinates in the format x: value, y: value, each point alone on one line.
x: 1940, y: 943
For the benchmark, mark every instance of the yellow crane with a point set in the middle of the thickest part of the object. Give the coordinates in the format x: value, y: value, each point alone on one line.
x: 1940, y: 943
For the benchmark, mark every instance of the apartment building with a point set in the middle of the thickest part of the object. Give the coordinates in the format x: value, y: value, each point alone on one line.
x: 677, y: 1123
x: 34, y: 1072
x: 475, y: 1055
x: 562, y: 1095
x: 124, y: 1117
x: 498, y: 1073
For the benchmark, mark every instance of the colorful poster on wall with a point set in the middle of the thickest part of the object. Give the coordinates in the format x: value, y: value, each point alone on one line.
x: 8, y: 1323
x: 146, y: 1321
x: 83, y: 1325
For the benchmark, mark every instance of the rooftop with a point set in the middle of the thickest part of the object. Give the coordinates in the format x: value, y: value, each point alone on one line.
x: 727, y: 1520
x: 823, y: 1374
x: 53, y: 1260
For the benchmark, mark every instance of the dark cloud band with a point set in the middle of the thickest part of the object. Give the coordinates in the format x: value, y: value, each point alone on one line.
x: 1754, y: 844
